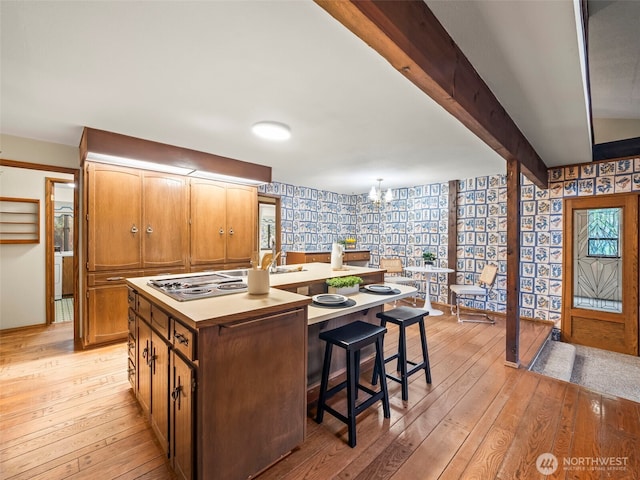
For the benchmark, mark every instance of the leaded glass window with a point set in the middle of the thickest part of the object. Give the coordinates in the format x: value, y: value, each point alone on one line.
x: 604, y: 233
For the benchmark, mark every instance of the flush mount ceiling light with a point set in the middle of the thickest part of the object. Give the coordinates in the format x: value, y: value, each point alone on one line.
x: 272, y: 131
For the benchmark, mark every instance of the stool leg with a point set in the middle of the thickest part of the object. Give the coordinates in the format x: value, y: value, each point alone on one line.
x: 402, y: 362
x: 351, y: 396
x: 374, y: 379
x: 323, y: 382
x: 356, y: 355
x: 425, y: 351
x: 383, y: 377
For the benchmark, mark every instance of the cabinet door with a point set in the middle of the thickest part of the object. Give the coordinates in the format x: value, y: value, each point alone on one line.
x: 208, y: 222
x: 242, y: 219
x: 246, y: 367
x: 114, y: 216
x: 182, y: 386
x: 107, y: 314
x: 144, y: 372
x: 164, y: 213
x: 160, y: 390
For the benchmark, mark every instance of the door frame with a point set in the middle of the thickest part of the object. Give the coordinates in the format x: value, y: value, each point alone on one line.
x: 49, y: 250
x: 275, y: 200
x: 630, y: 270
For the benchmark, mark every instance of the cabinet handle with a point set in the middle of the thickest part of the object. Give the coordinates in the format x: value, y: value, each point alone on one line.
x: 114, y: 279
x: 175, y: 394
x: 145, y: 353
x: 134, y: 229
x: 181, y: 338
x: 131, y: 345
x: 221, y: 231
x: 149, y: 229
x: 231, y: 231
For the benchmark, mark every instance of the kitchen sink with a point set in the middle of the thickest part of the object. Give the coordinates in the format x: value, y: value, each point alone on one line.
x: 236, y: 273
x: 242, y: 272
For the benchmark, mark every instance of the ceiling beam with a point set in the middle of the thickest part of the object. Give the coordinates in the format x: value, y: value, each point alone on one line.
x: 409, y: 36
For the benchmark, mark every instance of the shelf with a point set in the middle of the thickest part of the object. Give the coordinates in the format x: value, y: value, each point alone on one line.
x: 19, y: 220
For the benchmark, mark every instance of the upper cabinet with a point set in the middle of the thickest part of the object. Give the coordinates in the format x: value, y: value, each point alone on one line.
x: 164, y: 220
x: 114, y: 216
x: 223, y: 223
x: 135, y: 219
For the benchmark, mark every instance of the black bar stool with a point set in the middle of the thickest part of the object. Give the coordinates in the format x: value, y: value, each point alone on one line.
x: 352, y: 337
x: 405, y: 317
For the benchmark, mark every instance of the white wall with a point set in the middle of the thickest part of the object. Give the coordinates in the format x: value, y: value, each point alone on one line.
x: 22, y: 267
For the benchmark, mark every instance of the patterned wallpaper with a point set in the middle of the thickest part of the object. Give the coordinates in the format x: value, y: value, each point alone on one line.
x: 416, y: 221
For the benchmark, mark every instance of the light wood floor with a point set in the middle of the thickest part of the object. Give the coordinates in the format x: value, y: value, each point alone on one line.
x: 71, y: 415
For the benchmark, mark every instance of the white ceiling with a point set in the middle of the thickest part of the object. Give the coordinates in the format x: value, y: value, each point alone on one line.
x: 199, y: 74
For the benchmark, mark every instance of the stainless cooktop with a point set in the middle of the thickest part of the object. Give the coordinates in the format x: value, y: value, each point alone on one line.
x: 199, y: 286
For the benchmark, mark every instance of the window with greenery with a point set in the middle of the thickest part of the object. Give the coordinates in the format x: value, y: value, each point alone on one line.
x: 604, y: 233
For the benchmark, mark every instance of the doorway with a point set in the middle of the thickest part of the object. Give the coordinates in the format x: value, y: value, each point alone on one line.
x: 269, y: 226
x: 61, y: 251
x: 601, y: 273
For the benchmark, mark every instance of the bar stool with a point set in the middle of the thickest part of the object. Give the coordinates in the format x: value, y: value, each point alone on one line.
x: 405, y: 317
x: 352, y: 337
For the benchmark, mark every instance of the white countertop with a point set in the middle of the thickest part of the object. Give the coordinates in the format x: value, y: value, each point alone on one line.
x: 238, y: 306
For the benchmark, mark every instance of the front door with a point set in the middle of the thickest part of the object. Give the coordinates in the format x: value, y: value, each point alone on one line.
x: 600, y: 302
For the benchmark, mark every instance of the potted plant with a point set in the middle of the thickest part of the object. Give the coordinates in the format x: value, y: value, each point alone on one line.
x: 344, y: 285
x: 429, y: 258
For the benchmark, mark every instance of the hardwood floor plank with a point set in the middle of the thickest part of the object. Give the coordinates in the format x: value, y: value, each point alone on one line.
x: 486, y: 460
x: 587, y: 438
x: 534, y: 434
x: 459, y: 462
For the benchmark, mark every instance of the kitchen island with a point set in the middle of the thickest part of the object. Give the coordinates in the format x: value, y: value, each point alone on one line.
x: 224, y: 380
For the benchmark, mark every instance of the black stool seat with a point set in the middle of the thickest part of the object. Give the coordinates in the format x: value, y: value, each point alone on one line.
x: 405, y: 317
x: 352, y: 337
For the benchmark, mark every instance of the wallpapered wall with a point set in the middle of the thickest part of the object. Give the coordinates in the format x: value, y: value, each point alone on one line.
x: 416, y: 221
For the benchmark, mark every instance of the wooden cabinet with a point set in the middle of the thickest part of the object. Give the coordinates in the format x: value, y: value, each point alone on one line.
x: 67, y: 276
x: 233, y: 400
x: 355, y: 257
x: 153, y: 370
x: 251, y: 400
x: 164, y: 220
x: 143, y: 393
x: 183, y: 389
x: 114, y: 212
x: 308, y: 257
x: 134, y: 219
x: 223, y: 220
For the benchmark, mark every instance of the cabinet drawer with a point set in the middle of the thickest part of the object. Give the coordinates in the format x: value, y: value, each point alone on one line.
x: 355, y: 256
x: 132, y: 322
x: 132, y: 298
x: 131, y: 373
x: 131, y: 347
x: 184, y: 340
x: 318, y: 257
x: 160, y: 321
x: 111, y: 278
x: 144, y: 309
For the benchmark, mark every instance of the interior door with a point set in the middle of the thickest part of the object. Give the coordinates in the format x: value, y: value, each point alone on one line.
x: 601, y: 272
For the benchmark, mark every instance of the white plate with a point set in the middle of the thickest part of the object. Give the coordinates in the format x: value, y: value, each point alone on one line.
x: 329, y: 299
x: 378, y: 288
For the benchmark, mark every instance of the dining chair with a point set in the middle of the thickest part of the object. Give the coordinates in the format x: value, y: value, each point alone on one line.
x: 474, y: 292
x: 394, y: 271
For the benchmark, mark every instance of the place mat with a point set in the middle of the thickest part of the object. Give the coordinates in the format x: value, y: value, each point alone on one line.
x: 349, y: 303
x: 395, y: 291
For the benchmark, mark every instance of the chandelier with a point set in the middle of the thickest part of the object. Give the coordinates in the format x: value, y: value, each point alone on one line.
x: 377, y: 197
